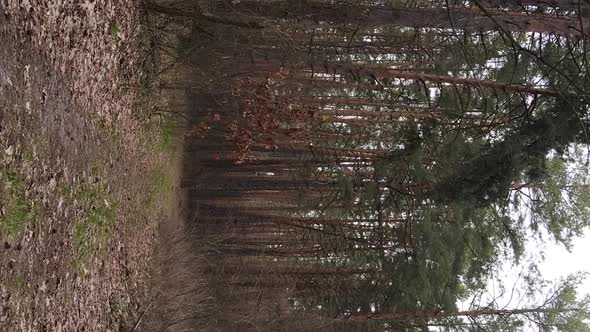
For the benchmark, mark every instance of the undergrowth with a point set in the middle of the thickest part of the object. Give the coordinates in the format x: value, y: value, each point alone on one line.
x: 16, y: 212
x: 95, y: 230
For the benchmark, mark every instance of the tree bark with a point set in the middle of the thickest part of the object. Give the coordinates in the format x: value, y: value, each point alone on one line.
x: 361, y: 71
x: 436, y: 314
x: 444, y: 18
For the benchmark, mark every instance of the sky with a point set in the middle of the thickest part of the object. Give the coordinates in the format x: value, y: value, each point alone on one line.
x: 560, y: 263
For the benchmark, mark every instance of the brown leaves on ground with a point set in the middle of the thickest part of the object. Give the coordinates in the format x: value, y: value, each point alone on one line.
x: 72, y: 147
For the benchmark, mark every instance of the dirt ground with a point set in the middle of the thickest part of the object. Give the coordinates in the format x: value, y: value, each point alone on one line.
x: 86, y: 175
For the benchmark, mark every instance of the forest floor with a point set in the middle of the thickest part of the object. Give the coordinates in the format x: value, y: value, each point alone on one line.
x: 86, y: 174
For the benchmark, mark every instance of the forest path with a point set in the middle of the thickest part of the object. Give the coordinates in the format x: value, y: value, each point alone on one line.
x: 84, y: 170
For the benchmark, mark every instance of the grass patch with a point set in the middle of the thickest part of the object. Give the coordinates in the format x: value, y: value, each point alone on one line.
x: 28, y: 153
x: 166, y: 131
x: 164, y: 180
x: 94, y: 231
x: 167, y: 138
x: 163, y: 129
x: 114, y: 29
x: 162, y: 190
x: 16, y: 212
x: 19, y: 282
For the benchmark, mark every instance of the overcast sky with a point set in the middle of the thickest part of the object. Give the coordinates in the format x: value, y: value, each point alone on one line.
x: 560, y: 263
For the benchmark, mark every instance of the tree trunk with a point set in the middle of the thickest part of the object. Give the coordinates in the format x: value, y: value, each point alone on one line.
x: 442, y: 18
x: 361, y: 71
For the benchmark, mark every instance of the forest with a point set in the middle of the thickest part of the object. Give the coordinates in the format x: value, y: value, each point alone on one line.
x: 370, y: 165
